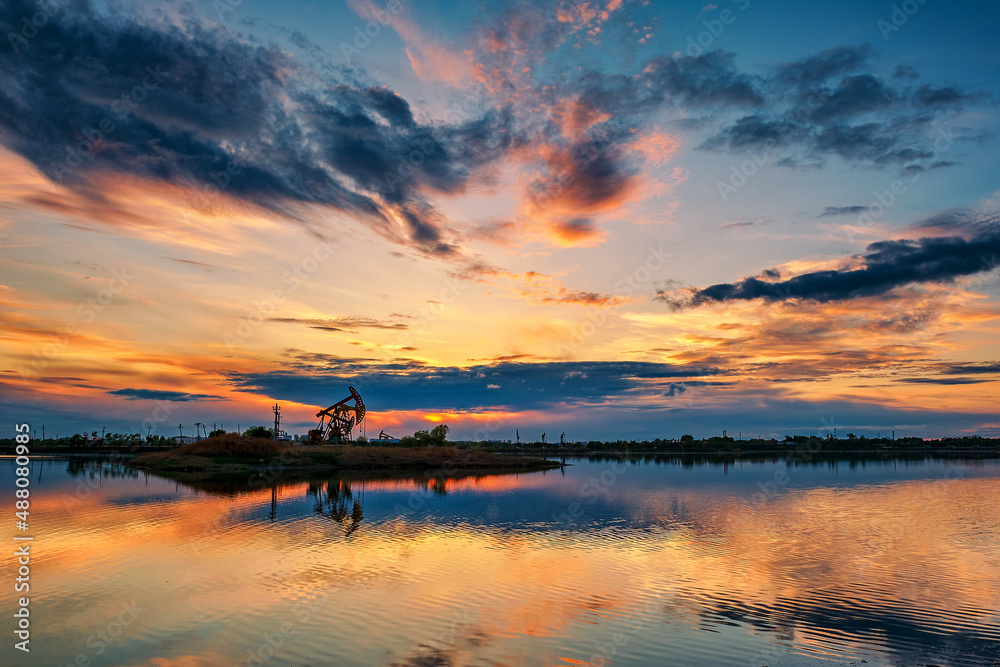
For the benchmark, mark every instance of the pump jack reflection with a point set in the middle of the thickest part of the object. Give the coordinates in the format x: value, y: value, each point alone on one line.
x: 333, y: 498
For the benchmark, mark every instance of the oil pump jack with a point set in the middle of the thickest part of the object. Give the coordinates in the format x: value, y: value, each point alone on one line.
x: 338, y: 420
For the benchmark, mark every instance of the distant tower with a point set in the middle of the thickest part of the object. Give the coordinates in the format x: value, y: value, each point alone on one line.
x: 277, y: 421
x: 562, y: 438
x: 543, y: 438
x: 518, y: 434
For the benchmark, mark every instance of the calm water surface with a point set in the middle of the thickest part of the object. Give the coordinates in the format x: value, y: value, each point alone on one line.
x: 641, y: 563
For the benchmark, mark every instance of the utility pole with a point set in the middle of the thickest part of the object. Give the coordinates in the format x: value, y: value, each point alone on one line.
x: 197, y: 431
x: 277, y: 421
x: 43, y: 433
x: 180, y: 427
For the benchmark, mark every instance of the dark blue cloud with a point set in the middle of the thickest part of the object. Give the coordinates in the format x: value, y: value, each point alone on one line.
x: 816, y: 70
x: 830, y: 211
x: 407, y: 385
x: 203, y: 108
x: 162, y: 395
x: 887, y: 265
x: 828, y: 105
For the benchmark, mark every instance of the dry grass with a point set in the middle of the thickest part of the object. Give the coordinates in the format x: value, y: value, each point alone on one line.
x: 232, y: 452
x: 233, y: 444
x: 227, y: 450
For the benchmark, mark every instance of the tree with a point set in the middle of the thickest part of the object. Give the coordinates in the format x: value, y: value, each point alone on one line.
x: 687, y: 438
x: 217, y: 432
x: 439, y: 434
x: 259, y: 432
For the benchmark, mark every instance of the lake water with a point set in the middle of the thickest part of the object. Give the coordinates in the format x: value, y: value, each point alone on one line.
x: 605, y: 562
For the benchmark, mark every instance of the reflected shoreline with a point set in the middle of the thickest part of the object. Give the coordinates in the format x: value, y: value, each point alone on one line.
x: 234, y: 484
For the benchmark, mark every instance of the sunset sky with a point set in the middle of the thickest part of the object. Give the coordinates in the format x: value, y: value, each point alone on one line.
x: 626, y: 219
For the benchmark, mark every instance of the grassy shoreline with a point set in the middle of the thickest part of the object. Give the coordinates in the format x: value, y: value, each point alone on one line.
x: 232, y: 453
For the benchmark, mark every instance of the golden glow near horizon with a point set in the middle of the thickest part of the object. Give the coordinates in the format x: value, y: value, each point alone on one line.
x: 201, y: 310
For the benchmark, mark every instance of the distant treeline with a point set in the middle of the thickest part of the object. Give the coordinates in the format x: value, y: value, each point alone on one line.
x: 686, y: 443
x: 82, y: 442
x: 790, y: 443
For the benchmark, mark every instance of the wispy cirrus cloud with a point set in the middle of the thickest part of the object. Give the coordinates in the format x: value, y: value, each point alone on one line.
x: 345, y: 324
